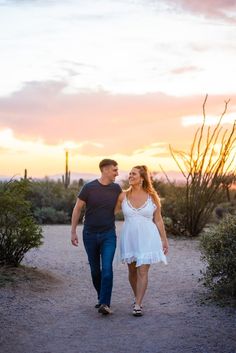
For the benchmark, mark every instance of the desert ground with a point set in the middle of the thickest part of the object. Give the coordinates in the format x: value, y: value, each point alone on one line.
x: 50, y: 308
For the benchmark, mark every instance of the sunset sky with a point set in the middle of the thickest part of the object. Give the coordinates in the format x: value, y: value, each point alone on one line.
x: 110, y: 78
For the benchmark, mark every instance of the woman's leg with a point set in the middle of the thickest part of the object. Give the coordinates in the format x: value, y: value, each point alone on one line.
x: 142, y: 282
x: 133, y: 277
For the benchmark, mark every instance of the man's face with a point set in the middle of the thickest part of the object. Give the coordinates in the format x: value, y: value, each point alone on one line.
x: 110, y: 172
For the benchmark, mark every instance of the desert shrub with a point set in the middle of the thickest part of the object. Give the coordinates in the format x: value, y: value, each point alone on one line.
x: 224, y: 208
x: 48, y: 215
x: 168, y: 224
x: 161, y: 186
x: 174, y: 210
x: 51, y: 202
x: 18, y: 230
x: 218, y: 247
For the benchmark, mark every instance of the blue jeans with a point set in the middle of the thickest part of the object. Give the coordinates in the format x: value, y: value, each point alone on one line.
x: 100, y: 248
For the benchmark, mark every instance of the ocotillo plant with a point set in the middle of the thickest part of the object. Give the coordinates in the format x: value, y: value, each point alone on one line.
x: 206, y: 169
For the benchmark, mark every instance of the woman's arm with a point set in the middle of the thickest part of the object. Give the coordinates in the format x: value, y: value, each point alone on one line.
x: 119, y: 201
x: 160, y: 226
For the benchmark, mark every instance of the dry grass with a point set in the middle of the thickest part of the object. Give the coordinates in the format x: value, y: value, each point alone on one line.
x: 27, y: 277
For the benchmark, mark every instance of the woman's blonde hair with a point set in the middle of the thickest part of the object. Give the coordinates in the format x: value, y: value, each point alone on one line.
x: 147, y: 183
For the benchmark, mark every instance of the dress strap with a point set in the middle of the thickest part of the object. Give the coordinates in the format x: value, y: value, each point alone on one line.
x: 139, y: 208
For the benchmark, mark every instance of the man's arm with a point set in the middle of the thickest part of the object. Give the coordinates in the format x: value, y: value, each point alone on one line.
x: 74, y: 221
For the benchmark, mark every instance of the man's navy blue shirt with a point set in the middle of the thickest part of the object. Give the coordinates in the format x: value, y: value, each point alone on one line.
x: 100, y: 204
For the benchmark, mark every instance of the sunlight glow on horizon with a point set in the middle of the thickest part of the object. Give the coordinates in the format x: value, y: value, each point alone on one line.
x: 45, y: 159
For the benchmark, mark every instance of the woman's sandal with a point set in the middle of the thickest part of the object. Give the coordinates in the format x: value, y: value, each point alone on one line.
x: 137, y: 310
x: 134, y: 303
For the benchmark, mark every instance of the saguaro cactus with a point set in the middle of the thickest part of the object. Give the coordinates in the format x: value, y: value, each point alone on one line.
x: 66, y: 176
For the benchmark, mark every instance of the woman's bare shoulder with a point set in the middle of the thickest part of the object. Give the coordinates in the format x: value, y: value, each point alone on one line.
x: 122, y: 195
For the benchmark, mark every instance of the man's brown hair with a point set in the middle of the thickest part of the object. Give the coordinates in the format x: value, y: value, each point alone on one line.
x: 106, y: 162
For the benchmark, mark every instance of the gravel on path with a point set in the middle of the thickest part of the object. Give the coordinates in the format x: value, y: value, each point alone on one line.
x: 57, y: 315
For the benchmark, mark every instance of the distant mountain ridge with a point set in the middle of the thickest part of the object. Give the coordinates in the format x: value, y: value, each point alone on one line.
x: 172, y: 175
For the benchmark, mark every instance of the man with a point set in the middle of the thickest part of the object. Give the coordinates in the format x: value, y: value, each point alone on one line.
x: 99, y: 198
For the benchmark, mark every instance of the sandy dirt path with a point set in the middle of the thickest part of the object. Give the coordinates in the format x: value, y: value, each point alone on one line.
x: 58, y: 316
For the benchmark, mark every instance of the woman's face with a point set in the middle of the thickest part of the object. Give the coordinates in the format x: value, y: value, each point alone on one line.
x: 134, y: 177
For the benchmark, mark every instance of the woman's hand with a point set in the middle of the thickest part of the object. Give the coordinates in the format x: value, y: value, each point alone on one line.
x: 165, y: 245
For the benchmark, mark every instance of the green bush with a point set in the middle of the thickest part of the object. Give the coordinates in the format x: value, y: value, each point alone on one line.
x: 18, y: 230
x: 168, y: 223
x: 218, y: 247
x: 174, y: 210
x: 48, y: 215
x: 224, y: 208
x: 51, y: 202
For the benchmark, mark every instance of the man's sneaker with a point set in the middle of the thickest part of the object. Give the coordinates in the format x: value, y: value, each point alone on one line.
x: 104, y: 309
x: 97, y: 306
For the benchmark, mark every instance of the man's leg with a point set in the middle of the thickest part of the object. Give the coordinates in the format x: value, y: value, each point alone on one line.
x: 108, y: 247
x: 93, y: 251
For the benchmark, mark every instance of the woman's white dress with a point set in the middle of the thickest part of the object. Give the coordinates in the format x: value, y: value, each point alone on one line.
x: 140, y: 240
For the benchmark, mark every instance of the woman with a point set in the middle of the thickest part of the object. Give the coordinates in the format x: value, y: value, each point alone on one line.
x: 143, y: 236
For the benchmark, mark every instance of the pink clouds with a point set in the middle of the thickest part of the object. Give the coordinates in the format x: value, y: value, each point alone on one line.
x: 210, y: 8
x: 184, y: 69
x: 117, y: 123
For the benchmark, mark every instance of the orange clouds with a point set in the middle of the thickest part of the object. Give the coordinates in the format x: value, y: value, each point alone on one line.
x: 96, y: 124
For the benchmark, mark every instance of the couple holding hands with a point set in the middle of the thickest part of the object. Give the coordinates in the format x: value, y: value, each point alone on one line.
x: 143, y: 239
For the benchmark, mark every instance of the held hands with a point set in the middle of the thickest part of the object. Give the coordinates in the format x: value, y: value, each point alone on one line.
x: 74, y: 239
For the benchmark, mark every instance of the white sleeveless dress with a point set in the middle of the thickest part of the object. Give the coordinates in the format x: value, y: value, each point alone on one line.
x: 140, y: 240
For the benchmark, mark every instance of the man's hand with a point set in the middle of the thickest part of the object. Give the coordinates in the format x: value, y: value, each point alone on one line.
x: 74, y: 221
x: 74, y: 239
